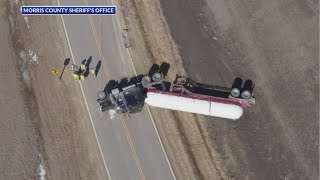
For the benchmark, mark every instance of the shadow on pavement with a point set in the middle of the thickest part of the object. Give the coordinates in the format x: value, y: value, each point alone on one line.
x: 98, y: 66
x: 65, y: 63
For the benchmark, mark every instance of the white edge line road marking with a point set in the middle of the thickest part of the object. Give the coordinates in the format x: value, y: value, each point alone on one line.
x: 95, y: 133
x: 135, y: 72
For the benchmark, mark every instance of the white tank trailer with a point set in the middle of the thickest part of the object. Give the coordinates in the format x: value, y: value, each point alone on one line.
x: 192, y: 105
x: 183, y: 94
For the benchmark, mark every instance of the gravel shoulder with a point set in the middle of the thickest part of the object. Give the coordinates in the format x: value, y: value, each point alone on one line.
x: 47, y: 115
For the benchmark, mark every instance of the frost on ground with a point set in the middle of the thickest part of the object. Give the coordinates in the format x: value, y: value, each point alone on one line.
x: 12, y: 5
x: 26, y: 19
x: 41, y: 171
x: 27, y: 22
x: 33, y: 57
x: 23, y: 69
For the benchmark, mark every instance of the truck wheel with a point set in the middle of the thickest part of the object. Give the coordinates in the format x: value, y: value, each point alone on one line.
x: 146, y: 80
x: 246, y: 94
x: 237, y: 83
x: 101, y: 95
x: 236, y: 86
x: 157, y: 77
x: 235, y: 92
x: 248, y: 85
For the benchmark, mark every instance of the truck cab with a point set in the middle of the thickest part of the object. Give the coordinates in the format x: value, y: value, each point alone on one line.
x: 128, y: 99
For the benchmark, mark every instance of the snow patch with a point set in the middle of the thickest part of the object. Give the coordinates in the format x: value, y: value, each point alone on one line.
x: 25, y: 17
x: 26, y: 78
x: 11, y: 21
x: 23, y: 69
x: 23, y: 57
x: 33, y: 57
x: 27, y: 22
x: 214, y: 37
x: 41, y: 171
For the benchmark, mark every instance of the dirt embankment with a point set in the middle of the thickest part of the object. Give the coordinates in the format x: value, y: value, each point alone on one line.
x: 19, y: 139
x: 49, y: 117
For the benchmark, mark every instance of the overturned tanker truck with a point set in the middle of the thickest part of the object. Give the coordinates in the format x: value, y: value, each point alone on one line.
x: 183, y: 94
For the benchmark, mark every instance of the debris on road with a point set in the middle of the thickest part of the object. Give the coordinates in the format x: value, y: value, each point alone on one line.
x: 125, y: 36
x: 54, y: 71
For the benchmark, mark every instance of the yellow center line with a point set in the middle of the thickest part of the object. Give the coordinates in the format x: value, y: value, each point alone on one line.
x: 94, y: 32
x: 124, y: 126
x: 95, y: 36
x: 133, y: 151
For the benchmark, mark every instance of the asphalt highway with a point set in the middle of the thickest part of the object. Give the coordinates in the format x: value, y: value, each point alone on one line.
x: 130, y: 146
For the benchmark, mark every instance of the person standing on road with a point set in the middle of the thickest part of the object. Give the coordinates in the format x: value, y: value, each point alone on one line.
x: 83, y: 69
x: 93, y: 71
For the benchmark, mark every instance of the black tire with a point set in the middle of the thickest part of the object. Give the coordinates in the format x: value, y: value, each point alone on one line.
x: 237, y: 83
x: 146, y: 80
x: 236, y: 87
x: 248, y: 86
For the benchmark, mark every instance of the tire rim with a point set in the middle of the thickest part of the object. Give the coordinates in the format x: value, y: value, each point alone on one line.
x: 156, y: 77
x: 146, y: 80
x: 246, y: 94
x: 101, y: 95
x: 235, y: 92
